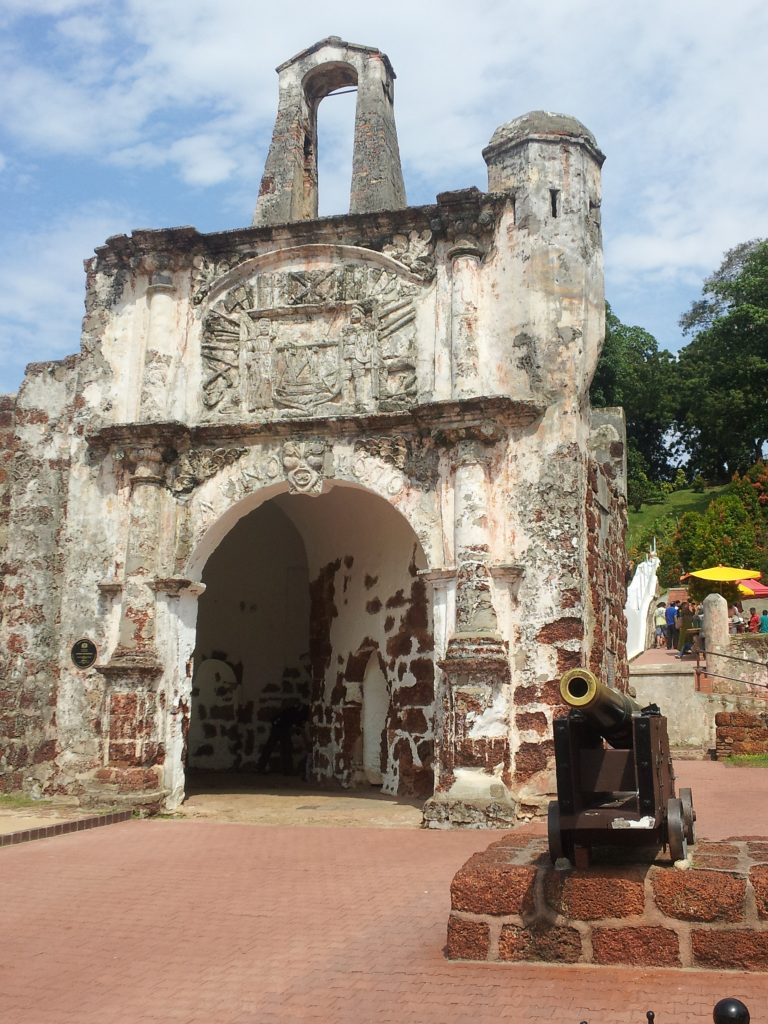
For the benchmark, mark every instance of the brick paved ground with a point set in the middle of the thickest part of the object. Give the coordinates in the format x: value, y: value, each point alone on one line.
x: 185, y: 921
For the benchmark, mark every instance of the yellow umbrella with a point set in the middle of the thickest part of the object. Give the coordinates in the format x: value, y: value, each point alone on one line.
x: 725, y: 574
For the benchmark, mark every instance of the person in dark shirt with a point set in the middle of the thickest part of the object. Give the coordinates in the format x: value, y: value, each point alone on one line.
x: 284, y: 724
x: 671, y: 618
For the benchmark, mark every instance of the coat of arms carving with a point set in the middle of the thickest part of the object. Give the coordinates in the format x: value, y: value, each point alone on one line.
x: 329, y: 340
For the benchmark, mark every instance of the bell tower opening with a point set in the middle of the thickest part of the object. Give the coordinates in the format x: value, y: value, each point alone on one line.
x: 289, y: 185
x: 335, y: 144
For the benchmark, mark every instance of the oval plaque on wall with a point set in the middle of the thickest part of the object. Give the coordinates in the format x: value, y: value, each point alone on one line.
x: 83, y: 653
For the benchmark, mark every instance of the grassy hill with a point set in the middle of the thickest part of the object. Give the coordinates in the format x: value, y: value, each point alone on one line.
x: 677, y: 502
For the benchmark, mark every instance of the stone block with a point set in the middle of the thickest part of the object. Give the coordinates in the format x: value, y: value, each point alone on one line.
x: 758, y: 876
x: 641, y: 947
x: 531, y: 758
x: 535, y: 721
x: 553, y: 943
x: 597, y: 893
x: 492, y: 888
x: 714, y: 860
x: 699, y: 895
x: 731, y: 949
x: 567, y: 628
x: 467, y: 940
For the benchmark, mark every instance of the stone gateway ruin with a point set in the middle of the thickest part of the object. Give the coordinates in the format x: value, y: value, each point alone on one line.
x: 346, y: 463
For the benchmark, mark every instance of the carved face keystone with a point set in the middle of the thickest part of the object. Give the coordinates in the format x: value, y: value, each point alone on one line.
x: 303, y: 465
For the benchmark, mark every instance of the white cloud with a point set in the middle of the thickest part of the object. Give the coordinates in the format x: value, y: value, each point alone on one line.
x: 43, y: 287
x: 186, y: 89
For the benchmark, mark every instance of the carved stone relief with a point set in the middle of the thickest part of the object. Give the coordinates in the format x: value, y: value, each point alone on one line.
x: 416, y: 251
x: 303, y: 463
x: 200, y: 464
x: 154, y: 386
x: 328, y: 340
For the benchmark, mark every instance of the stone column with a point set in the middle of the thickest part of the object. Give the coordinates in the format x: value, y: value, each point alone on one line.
x: 465, y: 370
x: 158, y: 355
x: 136, y: 638
x: 716, y: 642
x: 377, y: 177
x: 472, y: 747
x: 470, y: 508
x: 473, y: 751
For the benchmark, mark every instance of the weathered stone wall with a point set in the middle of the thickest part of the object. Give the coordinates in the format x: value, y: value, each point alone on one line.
x: 7, y: 451
x: 35, y: 512
x: 606, y: 517
x: 430, y: 365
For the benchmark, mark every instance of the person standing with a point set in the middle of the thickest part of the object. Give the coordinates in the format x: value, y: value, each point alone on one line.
x: 763, y: 625
x: 754, y: 621
x: 660, y: 623
x: 684, y: 627
x: 670, y: 618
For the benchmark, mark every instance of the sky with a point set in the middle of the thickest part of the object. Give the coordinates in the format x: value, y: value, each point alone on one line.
x: 126, y: 114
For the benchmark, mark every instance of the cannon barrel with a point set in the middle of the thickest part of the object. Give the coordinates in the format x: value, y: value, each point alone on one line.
x: 609, y: 711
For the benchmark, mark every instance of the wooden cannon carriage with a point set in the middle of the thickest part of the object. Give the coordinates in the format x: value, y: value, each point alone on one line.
x: 615, y: 780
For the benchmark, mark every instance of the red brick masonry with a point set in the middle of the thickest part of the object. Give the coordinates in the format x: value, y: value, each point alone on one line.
x: 509, y: 904
x: 741, y: 732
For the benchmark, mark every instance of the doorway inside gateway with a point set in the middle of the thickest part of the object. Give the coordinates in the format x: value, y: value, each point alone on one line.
x: 314, y: 651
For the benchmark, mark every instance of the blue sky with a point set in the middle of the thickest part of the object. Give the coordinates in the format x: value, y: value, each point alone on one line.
x: 149, y: 113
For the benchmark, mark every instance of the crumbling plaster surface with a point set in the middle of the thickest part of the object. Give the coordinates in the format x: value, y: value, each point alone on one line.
x: 430, y: 364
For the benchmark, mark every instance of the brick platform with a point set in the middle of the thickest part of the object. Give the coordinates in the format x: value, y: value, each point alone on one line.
x: 509, y: 904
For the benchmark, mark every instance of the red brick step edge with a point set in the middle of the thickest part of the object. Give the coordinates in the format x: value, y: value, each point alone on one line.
x: 62, y: 828
x: 508, y: 904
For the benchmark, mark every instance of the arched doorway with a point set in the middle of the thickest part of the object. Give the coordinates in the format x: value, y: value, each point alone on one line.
x: 316, y: 602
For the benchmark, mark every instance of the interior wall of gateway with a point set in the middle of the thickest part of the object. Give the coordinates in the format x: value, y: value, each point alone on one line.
x: 251, y: 651
x: 318, y: 600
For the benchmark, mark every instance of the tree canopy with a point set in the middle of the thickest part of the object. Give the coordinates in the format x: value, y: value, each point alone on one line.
x: 632, y: 372
x: 722, y: 395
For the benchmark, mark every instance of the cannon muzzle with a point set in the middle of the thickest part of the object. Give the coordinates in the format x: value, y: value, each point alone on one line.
x: 609, y: 711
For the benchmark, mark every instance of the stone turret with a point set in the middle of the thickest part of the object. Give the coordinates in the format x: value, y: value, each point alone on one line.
x: 289, y: 186
x: 550, y: 163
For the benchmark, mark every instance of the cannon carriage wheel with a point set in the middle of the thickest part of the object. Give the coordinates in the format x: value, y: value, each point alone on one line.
x: 689, y: 815
x: 676, y: 829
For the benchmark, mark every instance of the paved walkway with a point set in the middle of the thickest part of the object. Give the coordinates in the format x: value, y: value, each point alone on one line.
x: 206, y: 923
x: 661, y: 656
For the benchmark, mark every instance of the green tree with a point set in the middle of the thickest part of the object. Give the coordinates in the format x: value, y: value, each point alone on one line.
x: 634, y: 373
x: 723, y: 371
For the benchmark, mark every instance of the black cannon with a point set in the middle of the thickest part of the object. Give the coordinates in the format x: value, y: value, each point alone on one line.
x: 615, y: 781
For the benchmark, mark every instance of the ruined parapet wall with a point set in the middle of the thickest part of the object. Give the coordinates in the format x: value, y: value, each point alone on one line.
x: 289, y: 186
x: 32, y: 572
x: 7, y: 451
x: 735, y: 663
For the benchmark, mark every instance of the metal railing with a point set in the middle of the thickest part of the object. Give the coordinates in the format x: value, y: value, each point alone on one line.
x: 726, y: 1011
x: 701, y: 669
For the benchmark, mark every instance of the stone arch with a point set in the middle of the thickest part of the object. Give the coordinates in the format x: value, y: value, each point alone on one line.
x: 308, y: 254
x: 366, y: 611
x: 226, y: 513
